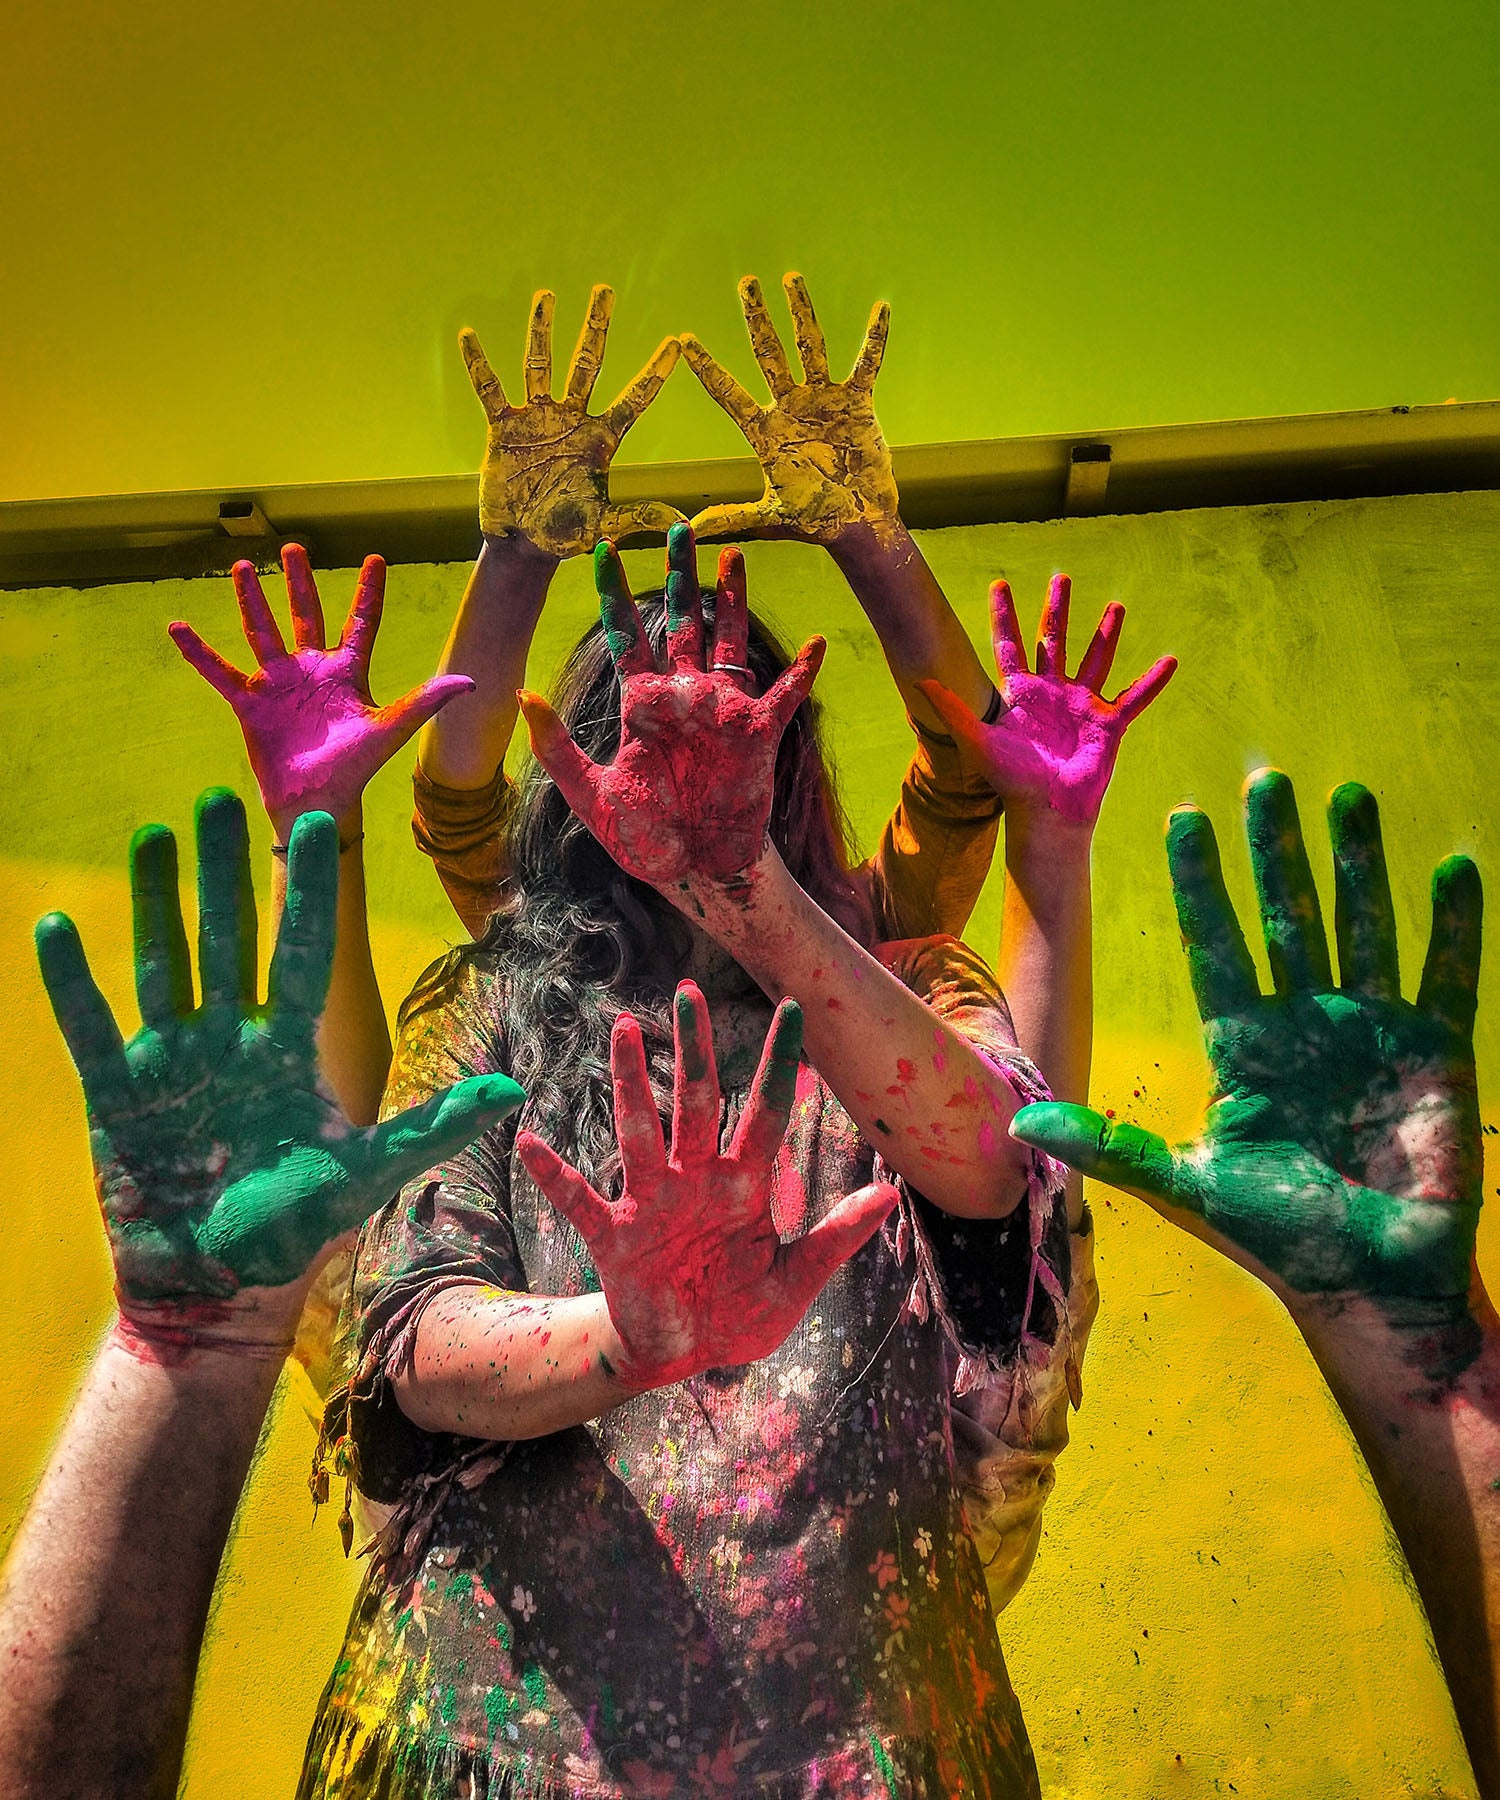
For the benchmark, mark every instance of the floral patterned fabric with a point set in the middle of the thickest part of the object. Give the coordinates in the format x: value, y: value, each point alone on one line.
x: 757, y: 1583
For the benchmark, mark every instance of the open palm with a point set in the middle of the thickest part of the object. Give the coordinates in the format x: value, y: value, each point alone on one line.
x: 1341, y: 1148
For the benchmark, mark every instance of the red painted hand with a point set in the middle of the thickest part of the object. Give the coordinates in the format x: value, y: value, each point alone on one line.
x: 689, y: 790
x: 314, y: 735
x: 1056, y: 742
x: 692, y: 1268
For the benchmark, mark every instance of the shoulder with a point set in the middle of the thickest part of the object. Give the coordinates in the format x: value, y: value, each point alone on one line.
x: 449, y: 1026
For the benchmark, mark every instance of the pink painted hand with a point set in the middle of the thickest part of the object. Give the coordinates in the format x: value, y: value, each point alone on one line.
x: 1056, y: 742
x: 314, y: 734
x: 693, y: 1271
x: 689, y: 790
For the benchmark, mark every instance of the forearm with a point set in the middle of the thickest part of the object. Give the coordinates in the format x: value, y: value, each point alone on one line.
x: 935, y: 1108
x: 493, y: 1364
x: 1423, y: 1403
x: 107, y: 1588
x: 491, y: 636
x: 919, y: 631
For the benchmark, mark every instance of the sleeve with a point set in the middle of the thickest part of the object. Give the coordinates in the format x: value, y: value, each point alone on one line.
x: 937, y: 846
x: 450, y: 1227
x: 461, y: 829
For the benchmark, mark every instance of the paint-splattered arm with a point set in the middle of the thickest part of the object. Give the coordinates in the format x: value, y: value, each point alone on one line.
x: 1341, y: 1162
x: 224, y: 1173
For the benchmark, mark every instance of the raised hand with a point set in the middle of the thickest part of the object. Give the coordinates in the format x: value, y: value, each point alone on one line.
x: 689, y: 790
x: 314, y: 735
x: 1342, y: 1144
x: 825, y: 462
x: 546, y: 462
x: 220, y: 1162
x: 693, y: 1271
x: 1055, y: 743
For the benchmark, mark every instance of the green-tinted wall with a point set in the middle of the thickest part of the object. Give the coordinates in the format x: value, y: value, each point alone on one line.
x: 1216, y: 1583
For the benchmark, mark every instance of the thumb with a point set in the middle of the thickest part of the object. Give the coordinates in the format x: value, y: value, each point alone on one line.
x: 576, y: 775
x: 810, y: 1261
x: 956, y: 714
x: 418, y: 1139
x: 1137, y: 1161
x: 404, y: 717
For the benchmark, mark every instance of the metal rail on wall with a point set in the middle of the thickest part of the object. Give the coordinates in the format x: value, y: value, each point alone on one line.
x: 1139, y: 469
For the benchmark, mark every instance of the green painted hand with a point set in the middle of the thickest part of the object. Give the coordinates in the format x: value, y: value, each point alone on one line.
x: 1341, y: 1150
x: 220, y: 1162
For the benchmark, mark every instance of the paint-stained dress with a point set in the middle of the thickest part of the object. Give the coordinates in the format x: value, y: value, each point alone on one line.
x: 757, y: 1583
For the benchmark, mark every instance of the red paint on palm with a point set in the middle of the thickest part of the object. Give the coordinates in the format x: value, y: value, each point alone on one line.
x: 689, y: 1257
x: 313, y: 733
x: 1056, y: 741
x: 689, y: 790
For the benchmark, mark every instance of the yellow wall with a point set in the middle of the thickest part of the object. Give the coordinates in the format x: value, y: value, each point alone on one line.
x: 1216, y: 1583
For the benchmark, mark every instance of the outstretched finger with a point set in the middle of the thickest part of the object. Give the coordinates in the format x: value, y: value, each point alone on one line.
x: 302, y: 962
x: 482, y: 378
x: 1005, y: 632
x: 1099, y: 658
x: 1052, y: 645
x: 576, y: 773
x: 587, y: 1211
x: 163, y: 973
x: 539, y: 346
x: 739, y: 519
x: 721, y: 386
x: 634, y: 399
x: 588, y: 353
x: 220, y: 675
x: 643, y: 1151
x: 262, y: 633
x: 639, y: 518
x: 1364, y: 915
x: 1144, y: 689
x: 770, y: 353
x: 684, y: 601
x: 792, y: 686
x: 1290, y: 911
x: 227, y: 925
x: 399, y: 722
x: 811, y: 1261
x: 812, y: 350
x: 872, y: 350
x: 623, y: 631
x: 302, y: 597
x: 763, y: 1123
x: 1219, y: 964
x: 1122, y: 1154
x: 83, y: 1016
x: 695, y: 1089
x: 363, y: 622
x: 1450, y: 975
x: 732, y: 615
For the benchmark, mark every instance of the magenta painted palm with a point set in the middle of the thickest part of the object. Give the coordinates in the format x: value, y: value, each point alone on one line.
x: 1056, y: 741
x: 689, y: 790
x: 313, y: 733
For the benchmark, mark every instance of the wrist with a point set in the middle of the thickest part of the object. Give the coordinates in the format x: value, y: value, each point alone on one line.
x: 1036, y: 825
x: 730, y: 910
x: 870, y: 544
x: 350, y: 819
x: 510, y: 549
x: 201, y: 1333
x: 1409, y: 1348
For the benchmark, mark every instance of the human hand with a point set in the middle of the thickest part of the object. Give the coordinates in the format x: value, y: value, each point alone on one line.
x: 314, y: 735
x: 825, y: 462
x: 546, y: 463
x: 1342, y: 1145
x: 1054, y: 745
x: 221, y: 1164
x: 689, y: 790
x: 689, y: 1258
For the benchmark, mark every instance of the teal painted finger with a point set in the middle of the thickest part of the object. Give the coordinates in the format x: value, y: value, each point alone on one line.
x: 411, y: 1142
x: 1219, y: 965
x: 303, y: 959
x: 1290, y: 912
x: 684, y: 600
x: 82, y: 1013
x: 623, y: 631
x: 163, y: 974
x: 1450, y: 976
x: 763, y: 1123
x: 227, y: 924
x: 1364, y: 916
x: 1121, y: 1154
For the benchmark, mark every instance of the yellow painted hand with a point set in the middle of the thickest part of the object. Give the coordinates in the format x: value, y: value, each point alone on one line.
x: 825, y: 462
x: 545, y: 472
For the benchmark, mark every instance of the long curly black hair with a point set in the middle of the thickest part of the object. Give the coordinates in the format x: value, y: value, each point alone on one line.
x: 574, y: 941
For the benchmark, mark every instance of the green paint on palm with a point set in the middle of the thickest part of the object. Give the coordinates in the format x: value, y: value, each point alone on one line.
x: 1341, y: 1148
x: 219, y: 1160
